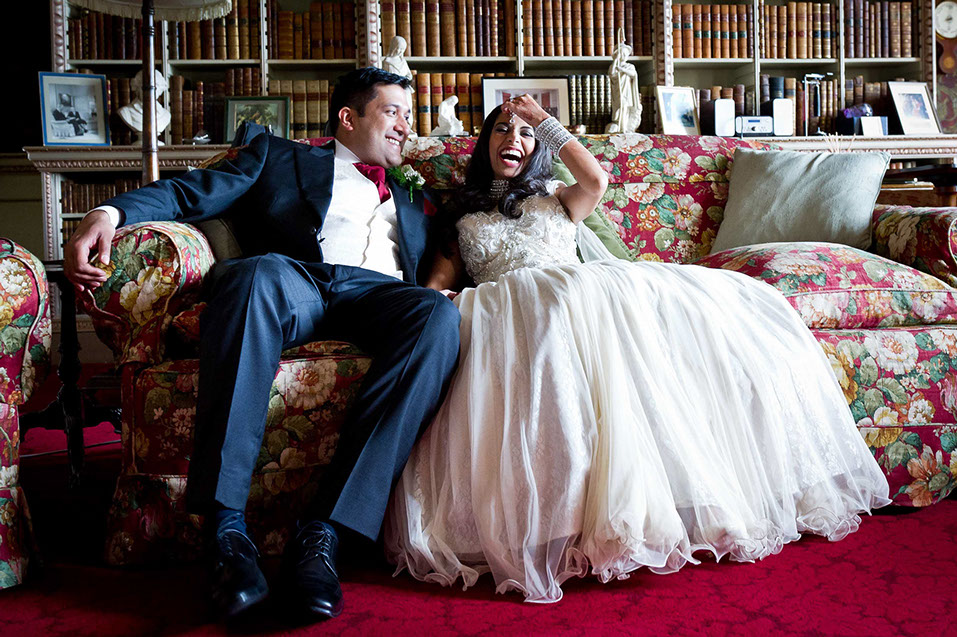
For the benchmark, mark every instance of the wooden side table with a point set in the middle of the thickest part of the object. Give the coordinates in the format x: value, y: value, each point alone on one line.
x: 71, y: 411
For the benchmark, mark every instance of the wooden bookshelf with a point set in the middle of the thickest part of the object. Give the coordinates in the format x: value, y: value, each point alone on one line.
x: 520, y: 29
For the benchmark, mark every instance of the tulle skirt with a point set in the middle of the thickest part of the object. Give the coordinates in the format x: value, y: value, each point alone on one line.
x: 609, y: 416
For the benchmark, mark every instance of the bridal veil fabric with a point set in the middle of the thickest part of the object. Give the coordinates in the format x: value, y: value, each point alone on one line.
x: 608, y: 416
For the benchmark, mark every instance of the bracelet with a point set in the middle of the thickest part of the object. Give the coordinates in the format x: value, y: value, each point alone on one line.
x: 553, y: 134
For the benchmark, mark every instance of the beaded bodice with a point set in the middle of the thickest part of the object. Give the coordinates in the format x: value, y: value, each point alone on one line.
x: 493, y: 244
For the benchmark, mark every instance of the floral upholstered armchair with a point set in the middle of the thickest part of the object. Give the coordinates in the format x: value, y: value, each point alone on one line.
x: 25, y: 334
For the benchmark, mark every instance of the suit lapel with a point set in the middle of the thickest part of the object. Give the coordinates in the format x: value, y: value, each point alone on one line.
x: 412, y: 228
x: 315, y: 172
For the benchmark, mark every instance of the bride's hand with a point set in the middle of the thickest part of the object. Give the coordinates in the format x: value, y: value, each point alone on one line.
x: 527, y: 108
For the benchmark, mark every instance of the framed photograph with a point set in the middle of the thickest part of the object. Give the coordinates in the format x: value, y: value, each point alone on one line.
x: 679, y: 111
x: 73, y: 109
x: 914, y: 108
x: 271, y: 112
x: 550, y: 92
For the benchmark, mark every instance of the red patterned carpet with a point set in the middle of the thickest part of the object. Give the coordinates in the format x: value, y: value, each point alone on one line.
x: 895, y: 576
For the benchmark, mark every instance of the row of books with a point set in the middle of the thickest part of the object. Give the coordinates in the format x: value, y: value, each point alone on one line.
x: 308, y: 105
x: 798, y: 30
x: 716, y: 31
x: 98, y: 36
x: 587, y: 27
x: 199, y: 108
x: 450, y: 28
x: 431, y: 89
x: 327, y: 31
x: 738, y: 93
x: 881, y: 29
x: 78, y: 198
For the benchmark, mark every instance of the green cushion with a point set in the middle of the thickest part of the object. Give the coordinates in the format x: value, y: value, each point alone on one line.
x: 596, y: 221
x: 780, y: 195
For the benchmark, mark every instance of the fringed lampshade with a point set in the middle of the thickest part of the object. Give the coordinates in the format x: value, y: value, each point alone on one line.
x: 148, y: 10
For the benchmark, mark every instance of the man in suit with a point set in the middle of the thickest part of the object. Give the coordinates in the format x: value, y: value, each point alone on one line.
x: 336, y: 252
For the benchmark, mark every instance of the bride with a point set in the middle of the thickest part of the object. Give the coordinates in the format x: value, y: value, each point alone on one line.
x: 611, y: 415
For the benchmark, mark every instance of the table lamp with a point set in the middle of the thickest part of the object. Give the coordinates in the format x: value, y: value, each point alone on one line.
x: 148, y: 10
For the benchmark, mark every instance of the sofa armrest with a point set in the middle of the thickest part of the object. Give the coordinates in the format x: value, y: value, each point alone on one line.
x: 157, y: 270
x: 25, y: 328
x: 924, y: 238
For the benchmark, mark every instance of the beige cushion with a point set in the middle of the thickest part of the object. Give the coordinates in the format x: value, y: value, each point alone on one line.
x: 779, y: 195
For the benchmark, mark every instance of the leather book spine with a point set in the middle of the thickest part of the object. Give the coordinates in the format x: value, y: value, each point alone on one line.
x: 387, y: 17
x: 464, y: 107
x: 433, y: 24
x: 696, y: 41
x: 419, y: 41
x: 284, y: 38
x: 687, y: 30
x: 188, y: 130
x: 238, y: 21
x: 598, y: 26
x: 470, y: 28
x: 461, y: 35
x: 588, y: 27
x: 253, y: 29
x: 907, y: 43
x: 328, y: 31
x: 424, y: 90
x: 312, y: 109
x: 447, y: 36
x: 323, y: 104
x: 729, y: 32
x: 492, y: 17
x: 509, y: 35
x: 403, y: 23
x: 475, y: 88
x: 349, y: 19
x: 578, y: 42
x: 299, y: 106
x: 436, y: 98
x: 315, y: 32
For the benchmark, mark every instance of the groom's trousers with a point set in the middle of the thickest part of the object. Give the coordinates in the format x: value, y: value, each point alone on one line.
x: 258, y: 306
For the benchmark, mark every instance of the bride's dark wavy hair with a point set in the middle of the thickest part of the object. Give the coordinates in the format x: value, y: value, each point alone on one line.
x: 475, y: 195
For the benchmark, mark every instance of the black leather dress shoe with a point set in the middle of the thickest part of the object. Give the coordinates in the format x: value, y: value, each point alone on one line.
x: 309, y: 569
x: 236, y: 582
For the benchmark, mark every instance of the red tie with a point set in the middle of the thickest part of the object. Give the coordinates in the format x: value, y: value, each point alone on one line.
x: 375, y: 174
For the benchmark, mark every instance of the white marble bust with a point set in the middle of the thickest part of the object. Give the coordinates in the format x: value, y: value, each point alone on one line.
x: 132, y: 113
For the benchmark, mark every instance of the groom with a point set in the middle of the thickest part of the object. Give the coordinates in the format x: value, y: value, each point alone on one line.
x: 334, y: 250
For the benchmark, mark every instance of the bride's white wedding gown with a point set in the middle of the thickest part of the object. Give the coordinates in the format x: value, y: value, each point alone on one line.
x: 612, y: 415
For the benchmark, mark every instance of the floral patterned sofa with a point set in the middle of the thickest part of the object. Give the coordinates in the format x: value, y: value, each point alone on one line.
x: 885, y: 319
x: 25, y: 334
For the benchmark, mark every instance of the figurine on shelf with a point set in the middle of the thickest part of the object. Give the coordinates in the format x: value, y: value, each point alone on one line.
x: 625, y: 96
x: 132, y: 113
x: 395, y: 62
x: 449, y: 124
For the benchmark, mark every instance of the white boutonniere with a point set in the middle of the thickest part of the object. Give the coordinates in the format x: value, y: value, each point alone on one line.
x: 407, y: 177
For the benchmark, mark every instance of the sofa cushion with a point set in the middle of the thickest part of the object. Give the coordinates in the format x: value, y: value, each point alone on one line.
x: 835, y: 286
x: 794, y: 196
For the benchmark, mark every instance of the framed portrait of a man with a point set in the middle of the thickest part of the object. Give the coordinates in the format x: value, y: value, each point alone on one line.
x: 73, y: 109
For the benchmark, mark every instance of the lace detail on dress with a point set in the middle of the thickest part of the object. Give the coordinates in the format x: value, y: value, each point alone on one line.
x: 493, y: 244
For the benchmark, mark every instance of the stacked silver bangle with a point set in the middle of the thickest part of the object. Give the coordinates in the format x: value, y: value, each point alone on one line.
x: 553, y: 135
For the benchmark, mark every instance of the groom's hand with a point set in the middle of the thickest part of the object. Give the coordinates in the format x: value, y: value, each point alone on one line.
x: 93, y: 235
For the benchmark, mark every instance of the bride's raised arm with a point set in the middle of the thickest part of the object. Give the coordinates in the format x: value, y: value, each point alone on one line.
x: 580, y: 199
